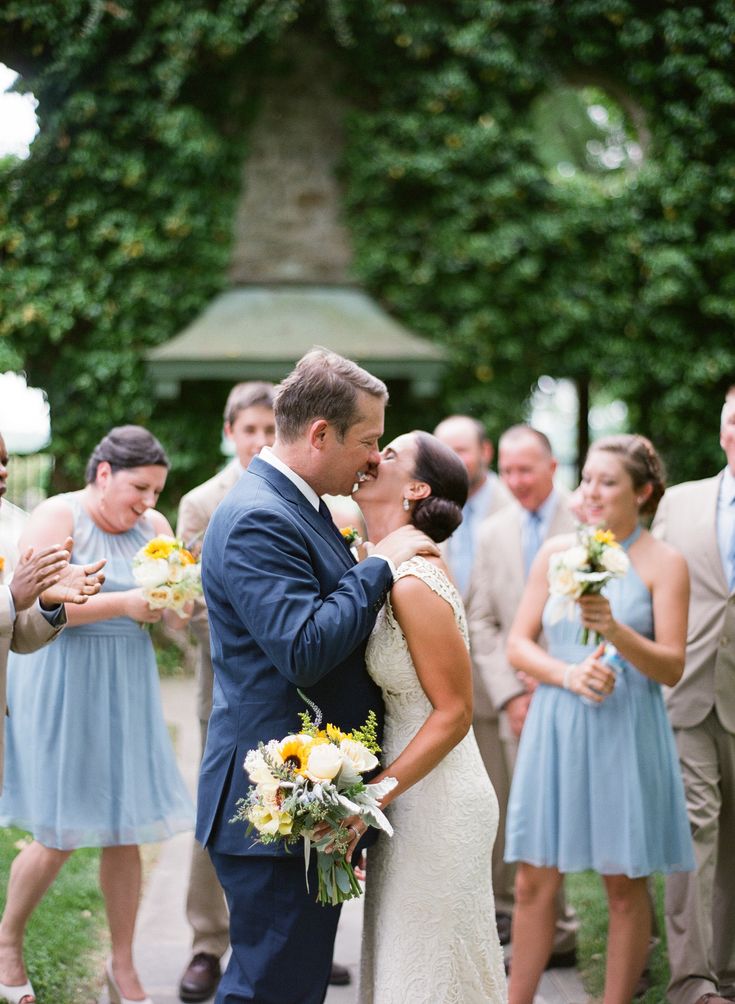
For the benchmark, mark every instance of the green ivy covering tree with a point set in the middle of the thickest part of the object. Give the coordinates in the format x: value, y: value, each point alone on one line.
x: 116, y: 231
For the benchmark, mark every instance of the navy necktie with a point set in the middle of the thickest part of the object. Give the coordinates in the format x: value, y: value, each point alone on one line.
x: 326, y: 514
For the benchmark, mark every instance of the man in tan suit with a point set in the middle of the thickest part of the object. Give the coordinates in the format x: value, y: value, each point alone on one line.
x: 508, y: 541
x: 249, y: 424
x: 698, y: 518
x: 487, y: 495
x: 33, y: 589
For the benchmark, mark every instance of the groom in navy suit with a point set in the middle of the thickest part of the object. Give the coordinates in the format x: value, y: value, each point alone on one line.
x: 288, y: 609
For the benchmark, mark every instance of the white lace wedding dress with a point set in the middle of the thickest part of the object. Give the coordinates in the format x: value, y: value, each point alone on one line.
x: 429, y: 933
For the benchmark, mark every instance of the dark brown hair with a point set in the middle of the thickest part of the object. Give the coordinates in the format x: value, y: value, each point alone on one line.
x: 124, y: 447
x: 640, y: 459
x: 440, y: 514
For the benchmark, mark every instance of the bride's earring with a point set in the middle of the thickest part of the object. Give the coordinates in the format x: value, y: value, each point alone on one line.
x: 406, y: 505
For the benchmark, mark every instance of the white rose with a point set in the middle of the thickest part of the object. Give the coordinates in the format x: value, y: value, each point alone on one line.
x: 575, y: 558
x: 359, y: 756
x: 615, y: 560
x: 563, y: 581
x: 324, y: 763
x: 151, y: 573
x: 176, y: 572
x: 159, y: 597
x: 258, y: 770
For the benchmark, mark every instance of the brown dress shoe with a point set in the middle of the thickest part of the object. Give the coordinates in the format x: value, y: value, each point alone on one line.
x: 200, y: 980
x: 339, y: 975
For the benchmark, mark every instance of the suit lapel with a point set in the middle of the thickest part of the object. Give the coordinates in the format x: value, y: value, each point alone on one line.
x: 288, y: 490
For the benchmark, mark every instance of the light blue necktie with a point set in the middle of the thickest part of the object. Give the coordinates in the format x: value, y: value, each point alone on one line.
x: 532, y: 539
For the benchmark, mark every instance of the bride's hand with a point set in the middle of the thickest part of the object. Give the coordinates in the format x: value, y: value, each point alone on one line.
x: 356, y: 827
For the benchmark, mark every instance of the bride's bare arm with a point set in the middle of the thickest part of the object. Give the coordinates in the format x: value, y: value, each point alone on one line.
x: 443, y: 667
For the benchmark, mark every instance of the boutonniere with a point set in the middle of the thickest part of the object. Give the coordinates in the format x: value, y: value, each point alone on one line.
x: 351, y: 536
x: 2, y: 564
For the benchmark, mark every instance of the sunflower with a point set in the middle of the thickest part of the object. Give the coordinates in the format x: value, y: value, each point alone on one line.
x: 337, y: 735
x: 295, y: 753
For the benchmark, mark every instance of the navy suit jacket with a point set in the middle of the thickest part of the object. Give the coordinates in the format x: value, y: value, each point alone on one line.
x: 288, y: 608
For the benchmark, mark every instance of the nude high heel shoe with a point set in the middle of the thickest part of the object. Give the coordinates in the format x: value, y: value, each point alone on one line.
x: 16, y: 994
x: 114, y: 990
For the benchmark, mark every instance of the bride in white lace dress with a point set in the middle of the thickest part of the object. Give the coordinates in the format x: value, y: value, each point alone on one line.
x: 429, y: 933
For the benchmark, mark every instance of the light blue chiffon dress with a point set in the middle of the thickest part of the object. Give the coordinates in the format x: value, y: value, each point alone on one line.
x: 600, y: 787
x: 88, y: 758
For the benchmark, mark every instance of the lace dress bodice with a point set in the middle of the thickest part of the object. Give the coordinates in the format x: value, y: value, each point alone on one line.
x: 429, y: 931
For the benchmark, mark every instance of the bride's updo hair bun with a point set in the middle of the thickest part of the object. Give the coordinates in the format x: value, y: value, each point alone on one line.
x: 124, y: 447
x: 440, y: 514
x: 640, y: 459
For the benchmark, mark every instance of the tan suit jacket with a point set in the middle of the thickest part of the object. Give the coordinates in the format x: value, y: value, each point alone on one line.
x: 195, y: 511
x: 500, y: 497
x: 687, y: 519
x: 28, y: 630
x: 495, y: 592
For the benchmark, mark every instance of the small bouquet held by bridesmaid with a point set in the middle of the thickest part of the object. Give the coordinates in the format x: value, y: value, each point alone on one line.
x: 311, y: 777
x: 168, y: 574
x: 585, y: 568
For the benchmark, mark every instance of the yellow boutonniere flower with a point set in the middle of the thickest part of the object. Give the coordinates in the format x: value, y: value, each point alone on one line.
x: 351, y: 535
x: 2, y: 563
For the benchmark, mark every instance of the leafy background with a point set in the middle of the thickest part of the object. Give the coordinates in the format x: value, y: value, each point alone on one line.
x: 116, y: 231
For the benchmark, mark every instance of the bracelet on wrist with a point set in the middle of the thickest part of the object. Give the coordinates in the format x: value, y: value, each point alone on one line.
x: 567, y: 678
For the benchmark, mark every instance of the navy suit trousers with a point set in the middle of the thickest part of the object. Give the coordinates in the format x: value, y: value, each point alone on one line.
x: 282, y: 939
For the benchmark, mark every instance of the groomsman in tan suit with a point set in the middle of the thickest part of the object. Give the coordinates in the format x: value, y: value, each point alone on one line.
x: 33, y: 589
x: 507, y: 544
x: 487, y: 495
x: 249, y: 424
x: 698, y: 518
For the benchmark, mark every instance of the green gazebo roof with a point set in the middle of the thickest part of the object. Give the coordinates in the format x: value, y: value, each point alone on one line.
x: 258, y: 332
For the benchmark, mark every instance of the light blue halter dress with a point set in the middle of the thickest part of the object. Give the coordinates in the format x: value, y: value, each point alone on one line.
x: 89, y: 761
x: 600, y: 787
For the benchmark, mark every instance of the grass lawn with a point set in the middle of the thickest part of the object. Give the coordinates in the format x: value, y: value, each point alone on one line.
x: 66, y: 940
x: 586, y: 894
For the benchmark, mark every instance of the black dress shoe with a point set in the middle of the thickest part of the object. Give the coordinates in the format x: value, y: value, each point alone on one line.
x: 503, y: 923
x: 200, y: 980
x: 562, y: 960
x: 339, y: 976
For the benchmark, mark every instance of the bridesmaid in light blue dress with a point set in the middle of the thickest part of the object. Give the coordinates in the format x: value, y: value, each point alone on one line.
x: 597, y: 782
x: 89, y: 761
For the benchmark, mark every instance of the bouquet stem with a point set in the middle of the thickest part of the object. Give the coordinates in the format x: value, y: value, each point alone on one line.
x: 337, y: 880
x: 585, y: 639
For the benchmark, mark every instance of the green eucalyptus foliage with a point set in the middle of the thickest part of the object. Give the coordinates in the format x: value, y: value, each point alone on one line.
x: 117, y: 229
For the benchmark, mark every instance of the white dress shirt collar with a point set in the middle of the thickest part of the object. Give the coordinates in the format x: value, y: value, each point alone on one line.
x: 306, y: 490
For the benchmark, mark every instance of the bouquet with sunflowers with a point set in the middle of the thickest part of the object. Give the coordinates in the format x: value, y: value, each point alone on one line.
x: 310, y: 777
x: 168, y: 574
x: 585, y: 568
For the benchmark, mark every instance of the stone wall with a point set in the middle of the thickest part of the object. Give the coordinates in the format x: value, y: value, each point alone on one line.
x: 288, y: 226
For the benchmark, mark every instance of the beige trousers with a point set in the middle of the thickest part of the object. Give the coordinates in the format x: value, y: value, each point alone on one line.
x: 700, y: 905
x: 499, y: 756
x: 206, y: 909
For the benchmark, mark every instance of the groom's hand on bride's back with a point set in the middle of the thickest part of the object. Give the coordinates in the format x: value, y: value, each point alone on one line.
x: 402, y: 544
